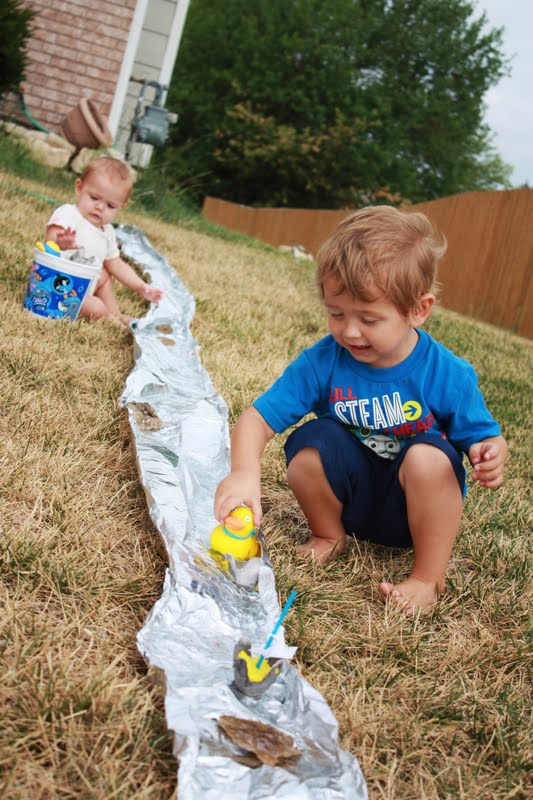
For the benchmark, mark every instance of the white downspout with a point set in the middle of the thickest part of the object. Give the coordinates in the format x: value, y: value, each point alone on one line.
x: 127, y: 64
x: 173, y: 42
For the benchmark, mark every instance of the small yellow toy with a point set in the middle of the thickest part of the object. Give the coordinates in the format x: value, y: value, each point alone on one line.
x: 52, y: 248
x: 254, y: 673
x: 248, y: 678
x: 237, y: 536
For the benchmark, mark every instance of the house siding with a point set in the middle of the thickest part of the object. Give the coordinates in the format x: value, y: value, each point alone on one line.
x: 148, y: 62
x: 76, y: 50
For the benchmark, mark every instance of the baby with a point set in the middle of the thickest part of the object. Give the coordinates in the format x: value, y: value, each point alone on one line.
x: 395, y: 410
x: 102, y: 190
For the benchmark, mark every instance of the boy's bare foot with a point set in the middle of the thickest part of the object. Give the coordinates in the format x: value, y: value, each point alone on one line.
x: 320, y: 549
x: 411, y: 595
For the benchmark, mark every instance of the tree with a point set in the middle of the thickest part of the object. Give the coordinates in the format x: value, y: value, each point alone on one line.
x: 314, y: 104
x: 15, y: 22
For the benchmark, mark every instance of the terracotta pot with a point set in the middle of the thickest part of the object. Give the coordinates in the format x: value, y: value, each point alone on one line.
x: 84, y: 126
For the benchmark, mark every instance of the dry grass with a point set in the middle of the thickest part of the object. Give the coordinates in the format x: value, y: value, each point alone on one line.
x: 432, y: 708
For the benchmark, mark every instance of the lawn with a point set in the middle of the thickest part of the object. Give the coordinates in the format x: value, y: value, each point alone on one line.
x: 434, y: 707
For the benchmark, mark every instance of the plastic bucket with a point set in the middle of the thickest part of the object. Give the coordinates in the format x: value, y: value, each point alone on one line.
x: 57, y: 287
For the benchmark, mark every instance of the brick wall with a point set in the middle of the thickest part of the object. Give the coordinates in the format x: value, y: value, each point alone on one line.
x: 75, y: 51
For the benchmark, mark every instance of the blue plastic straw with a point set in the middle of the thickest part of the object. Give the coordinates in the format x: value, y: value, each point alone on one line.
x: 284, y: 611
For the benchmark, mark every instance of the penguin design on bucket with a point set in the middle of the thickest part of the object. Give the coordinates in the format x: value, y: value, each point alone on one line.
x: 237, y: 535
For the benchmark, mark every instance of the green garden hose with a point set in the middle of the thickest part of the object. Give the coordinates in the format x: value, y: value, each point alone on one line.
x: 29, y: 116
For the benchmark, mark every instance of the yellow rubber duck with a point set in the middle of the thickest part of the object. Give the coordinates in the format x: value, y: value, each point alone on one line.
x: 237, y: 535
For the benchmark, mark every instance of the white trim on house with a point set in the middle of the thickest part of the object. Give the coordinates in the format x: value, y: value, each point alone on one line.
x: 127, y: 64
x: 173, y: 42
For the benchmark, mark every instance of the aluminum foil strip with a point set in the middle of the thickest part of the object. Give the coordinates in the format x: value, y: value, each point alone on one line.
x: 180, y: 429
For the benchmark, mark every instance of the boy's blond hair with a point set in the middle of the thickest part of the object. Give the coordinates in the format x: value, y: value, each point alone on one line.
x: 114, y: 168
x: 382, y: 250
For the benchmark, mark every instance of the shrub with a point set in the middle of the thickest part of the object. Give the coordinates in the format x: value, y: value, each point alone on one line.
x: 15, y: 29
x: 260, y: 161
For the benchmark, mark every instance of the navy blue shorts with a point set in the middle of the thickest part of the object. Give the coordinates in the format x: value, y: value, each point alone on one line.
x: 366, y: 484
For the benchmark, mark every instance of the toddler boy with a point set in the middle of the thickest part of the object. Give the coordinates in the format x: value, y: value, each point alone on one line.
x: 395, y: 410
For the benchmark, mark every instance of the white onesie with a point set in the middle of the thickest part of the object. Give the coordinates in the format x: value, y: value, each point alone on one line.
x: 98, y: 242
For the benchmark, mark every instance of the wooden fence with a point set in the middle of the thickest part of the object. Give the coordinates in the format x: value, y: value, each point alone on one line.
x: 487, y: 271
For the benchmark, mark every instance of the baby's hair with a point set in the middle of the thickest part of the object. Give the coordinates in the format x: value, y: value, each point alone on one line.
x: 382, y: 250
x: 114, y: 168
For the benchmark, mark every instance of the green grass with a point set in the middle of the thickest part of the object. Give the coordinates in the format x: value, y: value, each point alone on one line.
x: 16, y: 159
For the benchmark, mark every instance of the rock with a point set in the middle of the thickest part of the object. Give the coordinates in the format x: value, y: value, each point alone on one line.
x: 47, y: 148
x: 87, y: 154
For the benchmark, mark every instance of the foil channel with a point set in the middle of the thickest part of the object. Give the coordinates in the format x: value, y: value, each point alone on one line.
x: 180, y: 429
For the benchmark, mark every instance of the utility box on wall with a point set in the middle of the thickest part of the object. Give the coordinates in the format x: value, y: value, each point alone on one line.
x: 150, y: 124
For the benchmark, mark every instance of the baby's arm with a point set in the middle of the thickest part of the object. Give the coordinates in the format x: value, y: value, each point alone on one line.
x: 123, y: 273
x: 243, y: 485
x: 64, y: 237
x: 488, y: 459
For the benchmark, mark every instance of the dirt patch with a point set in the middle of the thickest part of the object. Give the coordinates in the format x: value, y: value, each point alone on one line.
x: 268, y: 744
x: 145, y: 416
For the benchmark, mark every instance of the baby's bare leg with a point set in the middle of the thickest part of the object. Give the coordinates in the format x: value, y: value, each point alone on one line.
x: 103, y: 303
x: 434, y: 507
x: 321, y: 507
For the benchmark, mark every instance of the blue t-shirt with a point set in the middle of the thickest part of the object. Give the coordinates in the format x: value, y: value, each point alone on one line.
x: 431, y: 391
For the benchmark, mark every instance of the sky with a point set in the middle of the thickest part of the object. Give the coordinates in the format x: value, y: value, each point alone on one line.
x: 509, y: 108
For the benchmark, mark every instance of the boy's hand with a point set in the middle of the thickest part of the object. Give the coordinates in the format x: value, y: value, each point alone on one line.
x: 151, y: 293
x: 66, y: 239
x: 488, y: 459
x: 237, y: 489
